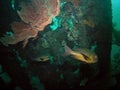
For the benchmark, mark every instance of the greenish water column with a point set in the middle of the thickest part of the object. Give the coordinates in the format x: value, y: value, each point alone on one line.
x: 116, y: 14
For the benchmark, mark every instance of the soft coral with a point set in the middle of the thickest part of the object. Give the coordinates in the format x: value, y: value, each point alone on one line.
x: 35, y: 15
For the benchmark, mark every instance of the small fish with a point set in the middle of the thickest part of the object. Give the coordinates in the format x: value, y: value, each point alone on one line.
x: 84, y: 55
x: 42, y: 58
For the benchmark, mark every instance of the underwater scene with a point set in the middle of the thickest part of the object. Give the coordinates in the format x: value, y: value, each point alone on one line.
x: 60, y: 45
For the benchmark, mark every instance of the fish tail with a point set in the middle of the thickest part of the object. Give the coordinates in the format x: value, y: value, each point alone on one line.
x: 68, y: 51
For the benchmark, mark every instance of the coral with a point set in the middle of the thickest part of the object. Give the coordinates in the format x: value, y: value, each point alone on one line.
x: 75, y: 2
x: 35, y: 15
x: 45, y: 43
x: 73, y: 34
x: 5, y: 77
x: 89, y: 23
x: 35, y: 82
x: 39, y: 13
x: 115, y: 67
x: 56, y: 23
x: 22, y: 31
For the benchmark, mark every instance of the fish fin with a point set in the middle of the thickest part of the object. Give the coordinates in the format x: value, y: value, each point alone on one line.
x: 68, y: 51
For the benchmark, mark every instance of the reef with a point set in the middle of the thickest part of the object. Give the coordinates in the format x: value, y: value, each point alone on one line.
x: 43, y: 27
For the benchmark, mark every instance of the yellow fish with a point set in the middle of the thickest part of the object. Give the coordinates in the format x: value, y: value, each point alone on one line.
x: 42, y: 58
x: 84, y: 55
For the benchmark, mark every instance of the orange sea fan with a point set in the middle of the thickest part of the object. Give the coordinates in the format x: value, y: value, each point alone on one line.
x: 39, y: 13
x: 22, y: 32
x: 35, y: 15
